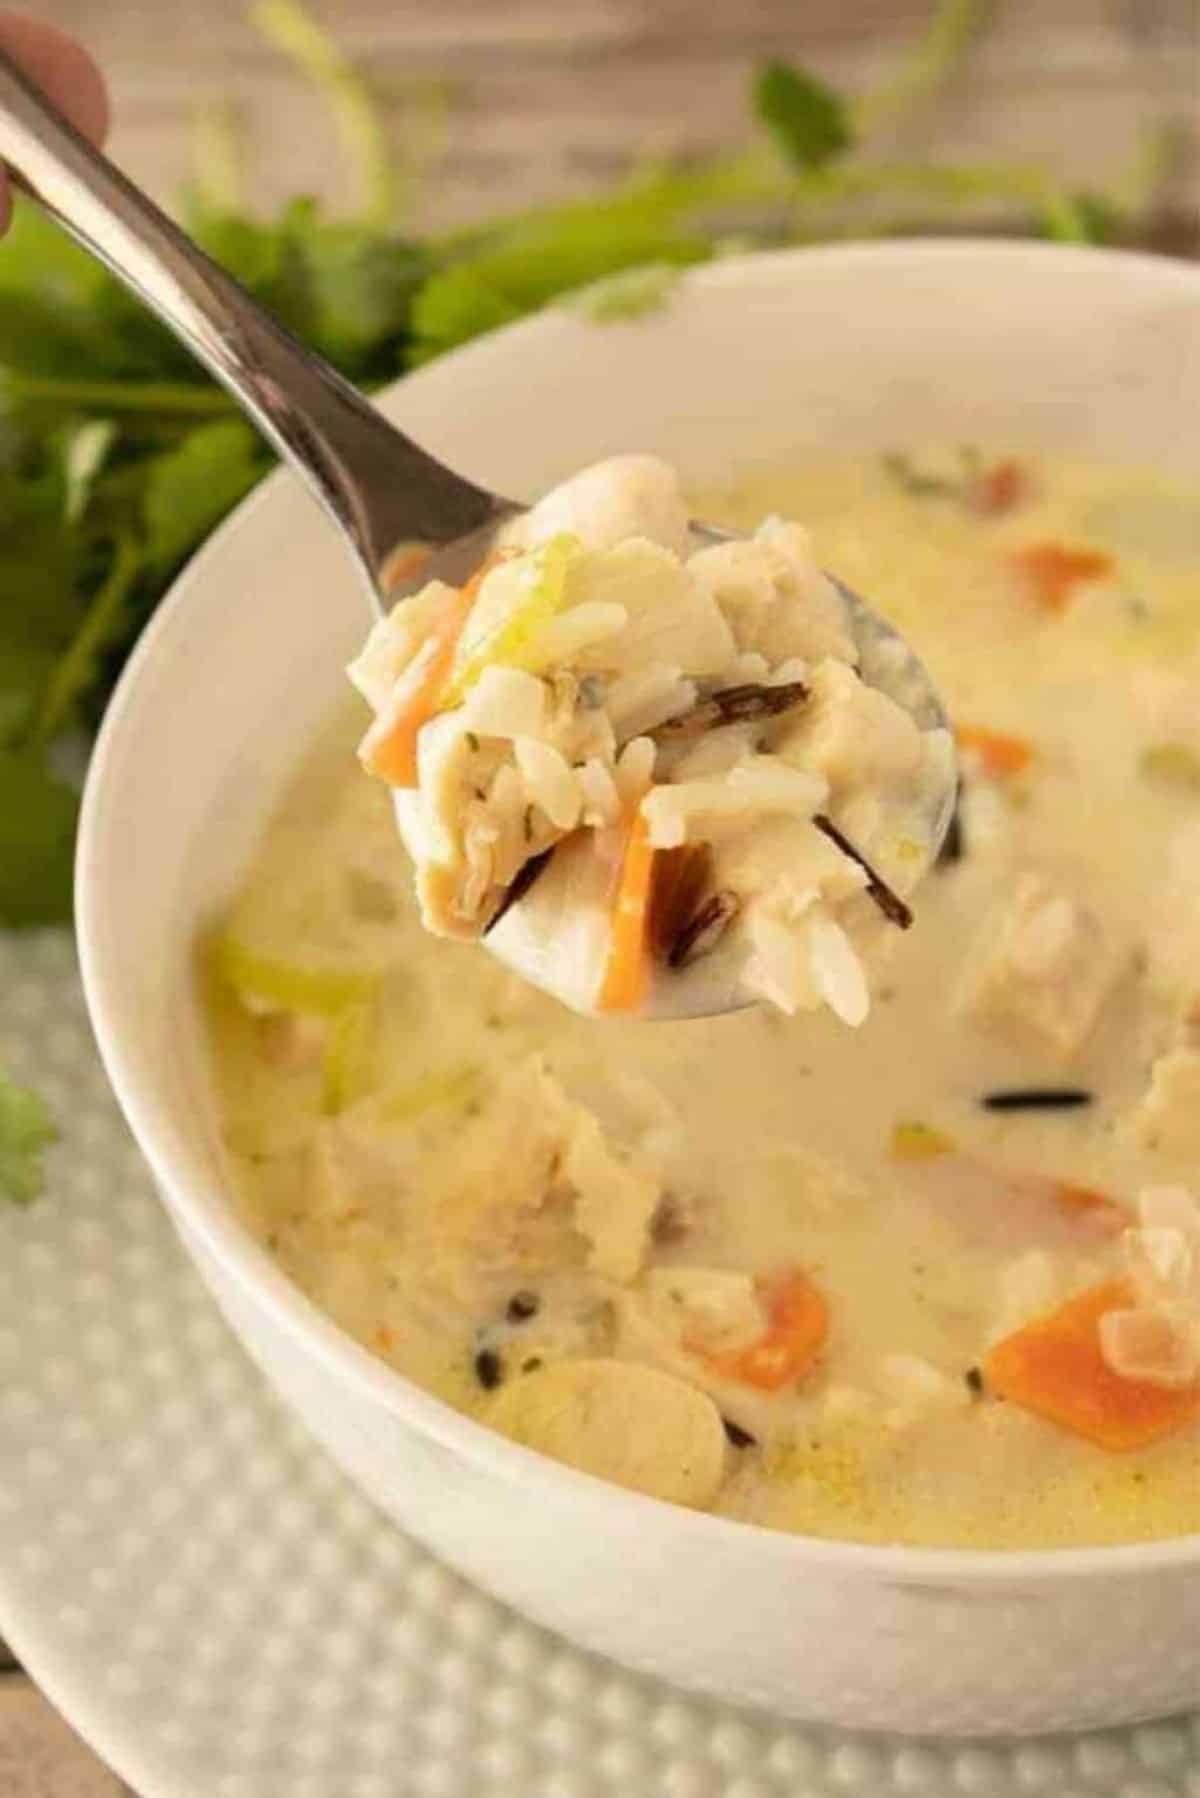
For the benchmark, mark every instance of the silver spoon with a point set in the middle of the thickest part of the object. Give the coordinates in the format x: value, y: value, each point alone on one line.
x: 406, y: 517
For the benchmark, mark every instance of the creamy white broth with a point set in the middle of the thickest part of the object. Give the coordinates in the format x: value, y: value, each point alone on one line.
x: 773, y: 1138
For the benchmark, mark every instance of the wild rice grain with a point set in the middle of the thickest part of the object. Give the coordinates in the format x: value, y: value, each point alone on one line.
x: 522, y: 1306
x: 526, y: 875
x: 735, y: 705
x: 954, y: 843
x: 1038, y: 1098
x: 701, y: 934
x: 889, y: 903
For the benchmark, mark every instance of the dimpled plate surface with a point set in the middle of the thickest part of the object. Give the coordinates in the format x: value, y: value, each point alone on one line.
x: 223, y: 1616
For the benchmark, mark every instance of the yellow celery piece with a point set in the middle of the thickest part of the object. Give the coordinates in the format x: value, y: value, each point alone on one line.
x: 512, y: 644
x: 1173, y: 764
x: 449, y: 1086
x: 281, y: 985
x: 344, y: 1073
x: 912, y: 1141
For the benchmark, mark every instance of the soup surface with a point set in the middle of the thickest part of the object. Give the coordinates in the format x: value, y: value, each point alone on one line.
x: 800, y: 1274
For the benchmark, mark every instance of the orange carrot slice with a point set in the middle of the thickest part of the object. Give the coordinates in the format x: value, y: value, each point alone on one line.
x: 999, y: 754
x: 627, y: 968
x: 389, y: 748
x: 999, y: 488
x: 1087, y: 1201
x: 1083, y: 1198
x: 797, y: 1325
x: 1054, y: 1367
x: 1052, y: 571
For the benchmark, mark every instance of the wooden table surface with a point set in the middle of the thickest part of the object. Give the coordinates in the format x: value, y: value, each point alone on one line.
x: 521, y: 99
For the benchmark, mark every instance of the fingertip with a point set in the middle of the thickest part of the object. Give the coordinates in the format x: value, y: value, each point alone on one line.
x: 63, y: 70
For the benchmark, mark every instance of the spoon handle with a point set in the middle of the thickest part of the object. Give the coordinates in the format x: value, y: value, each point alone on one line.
x: 382, y: 489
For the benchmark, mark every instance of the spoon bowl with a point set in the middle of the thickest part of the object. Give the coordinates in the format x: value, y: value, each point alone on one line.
x: 536, y: 936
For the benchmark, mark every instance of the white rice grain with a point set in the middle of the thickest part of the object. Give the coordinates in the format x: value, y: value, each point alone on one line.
x: 506, y: 702
x: 836, y: 969
x: 506, y: 807
x: 601, y: 800
x: 549, y: 782
x: 786, y: 672
x: 641, y: 701
x: 778, y: 968
x: 717, y: 752
x: 748, y: 669
x: 761, y: 783
x: 635, y: 768
x: 564, y: 639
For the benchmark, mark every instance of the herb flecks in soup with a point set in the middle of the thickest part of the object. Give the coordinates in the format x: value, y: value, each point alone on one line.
x: 674, y: 745
x: 933, y: 1281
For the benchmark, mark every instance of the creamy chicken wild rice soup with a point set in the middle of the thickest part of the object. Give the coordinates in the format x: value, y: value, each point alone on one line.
x: 924, y: 1271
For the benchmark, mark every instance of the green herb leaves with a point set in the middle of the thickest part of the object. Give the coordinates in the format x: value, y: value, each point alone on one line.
x: 345, y: 287
x: 189, y: 488
x: 37, y: 841
x: 808, y: 120
x: 517, y: 266
x: 25, y: 1133
x: 633, y: 294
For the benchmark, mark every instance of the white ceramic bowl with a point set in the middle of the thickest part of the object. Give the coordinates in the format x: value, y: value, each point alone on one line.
x: 854, y: 347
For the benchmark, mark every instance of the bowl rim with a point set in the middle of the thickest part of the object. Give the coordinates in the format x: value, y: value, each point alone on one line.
x: 202, y: 1204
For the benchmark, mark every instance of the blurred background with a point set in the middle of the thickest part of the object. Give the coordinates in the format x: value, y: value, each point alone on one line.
x: 500, y: 101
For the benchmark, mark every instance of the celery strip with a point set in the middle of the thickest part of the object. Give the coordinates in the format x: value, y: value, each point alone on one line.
x: 512, y: 643
x: 287, y: 986
x: 343, y: 1066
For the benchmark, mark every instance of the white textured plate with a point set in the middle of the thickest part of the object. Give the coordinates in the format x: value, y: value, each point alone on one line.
x: 220, y: 1613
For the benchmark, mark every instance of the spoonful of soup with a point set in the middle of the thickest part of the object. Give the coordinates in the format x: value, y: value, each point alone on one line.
x: 654, y: 768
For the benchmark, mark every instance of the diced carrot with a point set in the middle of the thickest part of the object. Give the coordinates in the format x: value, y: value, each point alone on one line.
x: 797, y: 1325
x: 999, y: 753
x: 999, y: 489
x: 1086, y: 1201
x: 627, y: 969
x: 1053, y: 571
x: 389, y: 748
x: 1082, y: 1198
x: 405, y: 563
x: 1054, y: 1367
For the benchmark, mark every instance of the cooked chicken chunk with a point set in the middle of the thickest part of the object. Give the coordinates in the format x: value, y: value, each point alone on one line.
x: 1168, y: 1118
x: 1042, y: 969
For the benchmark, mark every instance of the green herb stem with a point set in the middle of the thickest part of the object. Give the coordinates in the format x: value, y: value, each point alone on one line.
x: 291, y: 29
x: 217, y: 158
x: 114, y: 396
x: 953, y: 26
x: 73, y: 672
